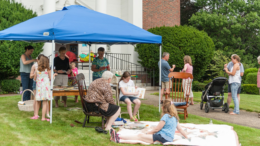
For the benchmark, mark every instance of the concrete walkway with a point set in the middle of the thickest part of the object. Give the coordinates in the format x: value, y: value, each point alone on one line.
x: 245, y: 118
x: 6, y: 95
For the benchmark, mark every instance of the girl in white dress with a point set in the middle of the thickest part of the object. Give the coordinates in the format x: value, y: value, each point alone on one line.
x: 43, y: 86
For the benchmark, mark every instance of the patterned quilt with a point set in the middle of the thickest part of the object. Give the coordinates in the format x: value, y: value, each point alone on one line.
x: 201, y: 135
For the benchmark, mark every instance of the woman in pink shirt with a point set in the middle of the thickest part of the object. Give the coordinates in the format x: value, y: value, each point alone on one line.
x: 187, y: 83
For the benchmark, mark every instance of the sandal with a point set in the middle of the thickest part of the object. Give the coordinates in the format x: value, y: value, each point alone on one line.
x: 100, y: 130
x: 34, y: 117
x: 136, y: 120
x: 114, y: 136
x: 46, y: 120
x: 133, y: 119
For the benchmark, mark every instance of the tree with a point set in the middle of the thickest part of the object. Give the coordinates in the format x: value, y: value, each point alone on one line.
x: 188, y: 8
x: 178, y: 41
x: 233, y: 25
x: 216, y: 66
x: 12, y: 13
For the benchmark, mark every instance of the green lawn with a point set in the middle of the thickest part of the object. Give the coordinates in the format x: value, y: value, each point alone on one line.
x: 18, y: 129
x: 248, y: 102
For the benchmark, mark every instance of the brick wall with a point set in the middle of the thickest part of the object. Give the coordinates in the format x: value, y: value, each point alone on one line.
x: 161, y: 12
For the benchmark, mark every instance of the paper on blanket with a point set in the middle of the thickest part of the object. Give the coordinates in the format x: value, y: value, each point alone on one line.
x: 203, y: 135
x: 133, y: 90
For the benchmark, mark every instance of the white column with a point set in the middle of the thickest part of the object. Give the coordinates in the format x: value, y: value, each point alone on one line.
x: 101, y: 6
x: 49, y: 6
x: 135, y: 13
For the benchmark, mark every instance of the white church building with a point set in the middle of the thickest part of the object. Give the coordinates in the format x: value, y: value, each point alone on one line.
x: 128, y: 10
x: 142, y: 13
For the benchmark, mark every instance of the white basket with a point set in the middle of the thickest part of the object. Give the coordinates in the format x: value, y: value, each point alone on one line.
x: 28, y: 107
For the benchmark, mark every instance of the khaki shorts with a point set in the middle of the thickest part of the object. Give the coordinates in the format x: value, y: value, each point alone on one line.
x: 165, y: 85
x: 61, y: 80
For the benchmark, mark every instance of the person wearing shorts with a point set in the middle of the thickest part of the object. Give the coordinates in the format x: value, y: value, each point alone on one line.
x: 127, y: 96
x: 229, y: 66
x: 166, y: 69
x: 62, y: 68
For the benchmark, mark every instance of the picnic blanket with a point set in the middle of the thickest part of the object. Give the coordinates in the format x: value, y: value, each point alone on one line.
x: 201, y: 135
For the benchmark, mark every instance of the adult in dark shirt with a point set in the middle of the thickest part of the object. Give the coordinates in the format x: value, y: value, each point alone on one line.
x: 62, y: 67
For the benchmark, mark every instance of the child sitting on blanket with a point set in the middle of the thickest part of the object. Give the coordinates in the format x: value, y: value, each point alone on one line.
x: 163, y: 132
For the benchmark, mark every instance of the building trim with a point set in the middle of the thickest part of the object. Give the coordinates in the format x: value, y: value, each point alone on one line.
x: 80, y: 2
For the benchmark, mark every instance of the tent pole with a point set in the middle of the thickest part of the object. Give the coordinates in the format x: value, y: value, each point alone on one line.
x: 52, y: 68
x: 160, y: 76
x: 89, y: 64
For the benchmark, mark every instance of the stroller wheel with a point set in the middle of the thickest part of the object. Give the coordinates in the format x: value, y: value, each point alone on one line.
x: 201, y: 105
x: 226, y: 108
x: 206, y: 108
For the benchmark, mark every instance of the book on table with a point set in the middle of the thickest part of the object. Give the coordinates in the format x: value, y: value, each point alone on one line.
x: 133, y: 90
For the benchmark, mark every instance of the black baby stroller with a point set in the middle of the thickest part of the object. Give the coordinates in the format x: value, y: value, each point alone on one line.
x: 213, y: 95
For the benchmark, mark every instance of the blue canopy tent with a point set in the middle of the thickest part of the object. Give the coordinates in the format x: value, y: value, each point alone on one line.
x: 78, y: 24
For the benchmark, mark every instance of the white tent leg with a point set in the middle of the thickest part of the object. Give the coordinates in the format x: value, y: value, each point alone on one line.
x: 89, y: 64
x: 52, y: 68
x: 160, y: 83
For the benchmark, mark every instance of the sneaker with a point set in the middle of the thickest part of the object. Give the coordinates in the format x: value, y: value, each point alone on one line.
x: 117, y: 138
x: 112, y: 135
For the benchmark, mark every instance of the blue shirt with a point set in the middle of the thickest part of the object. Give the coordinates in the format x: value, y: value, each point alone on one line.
x: 165, y: 70
x: 230, y: 65
x: 168, y: 130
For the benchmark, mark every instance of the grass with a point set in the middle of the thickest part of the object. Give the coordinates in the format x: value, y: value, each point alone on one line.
x: 18, y: 129
x: 248, y: 102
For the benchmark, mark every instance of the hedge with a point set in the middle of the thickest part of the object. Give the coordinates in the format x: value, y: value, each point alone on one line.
x: 10, y: 85
x: 197, y: 86
x: 178, y: 41
x: 250, y: 89
x: 251, y: 78
x: 249, y: 70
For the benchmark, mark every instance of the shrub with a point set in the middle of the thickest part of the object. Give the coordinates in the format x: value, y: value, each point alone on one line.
x: 249, y: 70
x: 207, y: 81
x: 216, y: 66
x: 251, y: 78
x: 178, y: 41
x: 10, y: 85
x: 12, y: 13
x: 250, y: 89
x: 197, y: 86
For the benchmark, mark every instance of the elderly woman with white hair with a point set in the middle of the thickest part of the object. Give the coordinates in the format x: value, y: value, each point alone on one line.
x: 258, y: 79
x: 100, y: 91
